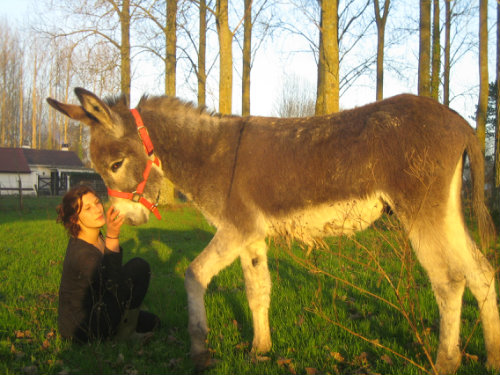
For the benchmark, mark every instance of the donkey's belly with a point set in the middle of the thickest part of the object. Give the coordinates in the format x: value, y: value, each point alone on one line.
x: 331, y: 219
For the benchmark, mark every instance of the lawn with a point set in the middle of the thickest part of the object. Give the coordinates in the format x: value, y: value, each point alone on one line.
x: 354, y: 306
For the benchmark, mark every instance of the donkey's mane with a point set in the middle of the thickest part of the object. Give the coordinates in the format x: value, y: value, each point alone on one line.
x: 116, y: 100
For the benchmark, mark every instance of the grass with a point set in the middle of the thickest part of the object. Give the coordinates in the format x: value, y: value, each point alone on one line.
x: 320, y: 323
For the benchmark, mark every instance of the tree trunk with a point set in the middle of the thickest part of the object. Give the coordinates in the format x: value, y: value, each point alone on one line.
x: 380, y: 21
x: 125, y: 49
x: 202, y: 48
x: 21, y: 99
x: 33, y: 109
x: 328, y: 67
x: 167, y: 189
x: 424, y: 49
x: 225, y: 58
x: 171, y: 61
x: 497, y: 120
x: 483, y: 74
x: 447, y: 45
x: 247, y: 57
x: 436, y: 52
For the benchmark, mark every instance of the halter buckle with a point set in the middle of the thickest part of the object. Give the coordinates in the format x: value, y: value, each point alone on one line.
x: 136, y: 197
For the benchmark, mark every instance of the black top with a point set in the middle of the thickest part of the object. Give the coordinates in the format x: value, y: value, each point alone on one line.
x: 87, y: 277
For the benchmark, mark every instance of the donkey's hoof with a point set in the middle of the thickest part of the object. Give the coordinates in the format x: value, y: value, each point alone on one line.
x: 448, y: 366
x: 202, y: 361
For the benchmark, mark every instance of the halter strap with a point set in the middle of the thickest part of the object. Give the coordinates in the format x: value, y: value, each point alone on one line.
x: 137, y: 195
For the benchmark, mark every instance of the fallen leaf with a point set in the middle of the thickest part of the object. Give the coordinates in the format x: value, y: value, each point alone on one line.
x: 337, y: 356
x: 386, y: 359
x: 471, y: 357
x: 311, y: 371
x: 287, y: 362
x: 46, y: 344
x: 283, y: 361
x: 242, y: 345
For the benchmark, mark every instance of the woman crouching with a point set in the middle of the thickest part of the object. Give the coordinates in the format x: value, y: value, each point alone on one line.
x: 98, y: 297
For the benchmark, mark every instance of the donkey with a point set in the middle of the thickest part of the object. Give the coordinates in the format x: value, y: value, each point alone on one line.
x: 306, y: 178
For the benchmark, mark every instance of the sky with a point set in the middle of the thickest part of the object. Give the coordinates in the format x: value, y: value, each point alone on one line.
x: 271, y: 68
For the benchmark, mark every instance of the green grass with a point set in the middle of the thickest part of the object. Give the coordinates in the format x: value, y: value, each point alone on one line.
x: 311, y: 311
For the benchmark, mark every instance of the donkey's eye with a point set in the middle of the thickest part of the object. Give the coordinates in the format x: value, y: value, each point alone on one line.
x: 116, y: 165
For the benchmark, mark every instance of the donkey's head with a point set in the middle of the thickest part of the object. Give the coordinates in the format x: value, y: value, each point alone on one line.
x: 117, y: 152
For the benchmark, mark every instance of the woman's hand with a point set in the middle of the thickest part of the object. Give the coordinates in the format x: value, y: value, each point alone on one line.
x: 114, y: 222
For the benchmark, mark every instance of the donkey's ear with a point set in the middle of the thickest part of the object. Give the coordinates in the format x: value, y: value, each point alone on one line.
x: 95, y: 107
x: 74, y: 112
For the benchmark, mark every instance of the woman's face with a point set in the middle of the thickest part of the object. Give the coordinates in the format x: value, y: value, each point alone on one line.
x: 92, y: 212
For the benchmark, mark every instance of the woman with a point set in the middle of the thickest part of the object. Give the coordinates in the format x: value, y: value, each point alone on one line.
x: 98, y: 297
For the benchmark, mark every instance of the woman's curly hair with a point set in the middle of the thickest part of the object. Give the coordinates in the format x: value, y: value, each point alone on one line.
x: 69, y: 209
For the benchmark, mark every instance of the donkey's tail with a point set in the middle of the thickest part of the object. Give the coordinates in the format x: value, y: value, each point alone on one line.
x: 484, y: 221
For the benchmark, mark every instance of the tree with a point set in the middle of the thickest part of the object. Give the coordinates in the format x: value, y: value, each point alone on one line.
x: 327, y: 100
x: 162, y: 44
x: 202, y: 49
x: 296, y: 99
x: 497, y: 105
x: 225, y: 57
x: 436, y: 51
x: 247, y: 57
x: 171, y: 47
x: 96, y: 21
x: 447, y: 58
x: 11, y: 64
x: 380, y: 21
x: 483, y: 74
x: 424, y: 48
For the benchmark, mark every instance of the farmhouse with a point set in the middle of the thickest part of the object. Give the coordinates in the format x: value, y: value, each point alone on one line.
x: 42, y: 172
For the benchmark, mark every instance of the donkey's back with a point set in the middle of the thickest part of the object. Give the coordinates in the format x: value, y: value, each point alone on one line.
x: 334, y: 174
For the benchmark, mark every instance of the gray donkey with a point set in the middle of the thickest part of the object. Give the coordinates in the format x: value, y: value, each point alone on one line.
x: 306, y: 178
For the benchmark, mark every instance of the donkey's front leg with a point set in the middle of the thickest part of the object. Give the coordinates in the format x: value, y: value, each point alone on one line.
x: 220, y: 252
x: 258, y: 289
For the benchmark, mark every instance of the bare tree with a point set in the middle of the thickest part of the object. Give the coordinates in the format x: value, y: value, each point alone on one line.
x: 163, y: 15
x: 380, y: 21
x: 497, y: 120
x: 225, y: 57
x: 11, y: 63
x: 297, y: 98
x: 424, y: 48
x: 436, y: 51
x: 483, y: 74
x: 327, y: 100
x: 247, y: 57
x: 96, y: 20
x: 447, y: 47
x: 202, y: 49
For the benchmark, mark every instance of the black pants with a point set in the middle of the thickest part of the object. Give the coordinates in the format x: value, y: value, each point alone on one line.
x: 105, y: 316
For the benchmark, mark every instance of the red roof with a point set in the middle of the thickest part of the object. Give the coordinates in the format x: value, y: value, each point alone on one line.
x: 13, y: 160
x: 18, y: 160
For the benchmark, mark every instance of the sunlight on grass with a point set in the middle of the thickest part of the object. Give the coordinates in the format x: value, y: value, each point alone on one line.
x: 320, y: 323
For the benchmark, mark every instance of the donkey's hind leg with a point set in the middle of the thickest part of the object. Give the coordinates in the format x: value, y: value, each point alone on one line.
x: 480, y: 278
x: 448, y: 284
x: 258, y: 289
x: 224, y: 248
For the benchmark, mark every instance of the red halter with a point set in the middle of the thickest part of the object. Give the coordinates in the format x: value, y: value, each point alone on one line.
x: 137, y: 196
